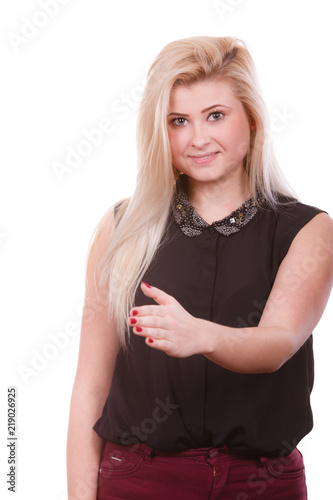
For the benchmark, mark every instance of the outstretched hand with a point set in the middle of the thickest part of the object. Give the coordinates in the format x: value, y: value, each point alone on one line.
x: 167, y: 326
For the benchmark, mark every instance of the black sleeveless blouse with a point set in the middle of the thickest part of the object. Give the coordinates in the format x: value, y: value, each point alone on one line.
x: 222, y: 272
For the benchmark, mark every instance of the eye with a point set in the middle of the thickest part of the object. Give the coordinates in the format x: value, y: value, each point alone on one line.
x: 215, y: 116
x: 178, y: 121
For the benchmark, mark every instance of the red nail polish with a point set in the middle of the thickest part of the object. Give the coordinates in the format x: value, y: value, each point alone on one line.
x: 150, y: 340
x: 135, y: 312
x: 138, y: 328
x: 132, y: 321
x: 146, y: 284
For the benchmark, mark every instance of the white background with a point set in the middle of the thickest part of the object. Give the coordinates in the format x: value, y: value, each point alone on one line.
x: 87, y: 60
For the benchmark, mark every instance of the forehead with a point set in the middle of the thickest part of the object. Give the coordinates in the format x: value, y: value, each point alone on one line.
x: 202, y: 94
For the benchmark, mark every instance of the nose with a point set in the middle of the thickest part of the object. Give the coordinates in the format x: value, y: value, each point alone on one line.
x: 200, y: 138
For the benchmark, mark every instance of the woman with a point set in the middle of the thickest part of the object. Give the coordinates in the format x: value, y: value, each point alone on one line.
x: 202, y: 292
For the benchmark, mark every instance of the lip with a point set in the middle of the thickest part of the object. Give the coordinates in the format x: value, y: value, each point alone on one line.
x: 205, y: 158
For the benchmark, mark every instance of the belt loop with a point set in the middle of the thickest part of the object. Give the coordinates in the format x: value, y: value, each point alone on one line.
x: 263, y: 460
x: 147, y: 455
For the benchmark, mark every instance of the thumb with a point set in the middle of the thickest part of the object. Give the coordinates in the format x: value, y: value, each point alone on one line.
x: 157, y: 294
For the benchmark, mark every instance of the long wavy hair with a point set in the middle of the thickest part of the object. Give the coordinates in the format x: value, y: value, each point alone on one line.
x: 140, y: 221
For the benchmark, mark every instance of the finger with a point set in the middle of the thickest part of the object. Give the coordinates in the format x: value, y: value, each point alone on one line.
x: 149, y: 310
x: 160, y: 345
x: 157, y: 294
x: 146, y: 331
x: 149, y: 321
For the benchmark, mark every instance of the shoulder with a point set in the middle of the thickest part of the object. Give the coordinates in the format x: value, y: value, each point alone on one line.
x: 112, y: 216
x: 292, y: 209
x: 311, y: 252
x: 318, y: 232
x: 290, y: 218
x: 291, y: 215
x: 294, y: 216
x: 104, y: 229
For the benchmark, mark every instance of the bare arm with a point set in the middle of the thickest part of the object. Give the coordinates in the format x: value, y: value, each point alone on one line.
x: 98, y: 351
x: 293, y: 309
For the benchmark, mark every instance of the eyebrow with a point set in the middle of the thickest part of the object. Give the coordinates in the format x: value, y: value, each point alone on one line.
x: 203, y: 111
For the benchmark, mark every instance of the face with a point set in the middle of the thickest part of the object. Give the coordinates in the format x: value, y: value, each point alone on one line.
x: 209, y: 131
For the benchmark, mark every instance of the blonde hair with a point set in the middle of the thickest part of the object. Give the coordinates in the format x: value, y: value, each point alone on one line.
x: 141, y: 220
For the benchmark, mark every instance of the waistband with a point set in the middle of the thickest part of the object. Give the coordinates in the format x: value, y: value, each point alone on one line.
x: 223, y: 453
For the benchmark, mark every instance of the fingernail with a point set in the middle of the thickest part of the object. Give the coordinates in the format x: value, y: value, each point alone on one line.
x: 150, y: 340
x: 134, y: 312
x: 146, y: 284
x: 138, y: 328
x: 132, y: 321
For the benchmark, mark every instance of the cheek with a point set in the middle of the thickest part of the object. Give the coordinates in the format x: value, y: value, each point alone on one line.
x: 176, y: 143
x: 238, y: 139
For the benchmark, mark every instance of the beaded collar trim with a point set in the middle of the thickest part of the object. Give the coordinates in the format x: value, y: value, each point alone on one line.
x: 193, y: 225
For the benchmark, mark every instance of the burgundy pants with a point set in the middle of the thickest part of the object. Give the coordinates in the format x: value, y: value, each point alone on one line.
x: 139, y: 472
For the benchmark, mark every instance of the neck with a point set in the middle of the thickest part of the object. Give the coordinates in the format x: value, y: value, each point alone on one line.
x: 217, y: 200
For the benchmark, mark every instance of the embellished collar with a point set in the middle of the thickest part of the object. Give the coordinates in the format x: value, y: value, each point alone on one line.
x: 193, y: 225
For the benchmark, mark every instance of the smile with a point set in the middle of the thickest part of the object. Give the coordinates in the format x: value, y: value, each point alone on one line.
x: 205, y: 158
